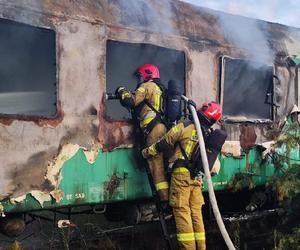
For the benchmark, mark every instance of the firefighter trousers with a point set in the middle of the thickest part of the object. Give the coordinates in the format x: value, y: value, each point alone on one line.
x: 156, y: 163
x: 186, y: 199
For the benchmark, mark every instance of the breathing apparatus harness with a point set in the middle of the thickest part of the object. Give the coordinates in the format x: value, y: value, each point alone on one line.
x: 170, y: 106
x: 214, y: 140
x: 159, y: 114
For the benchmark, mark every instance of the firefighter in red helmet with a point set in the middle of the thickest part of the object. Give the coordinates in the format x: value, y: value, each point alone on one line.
x: 186, y: 197
x: 147, y: 105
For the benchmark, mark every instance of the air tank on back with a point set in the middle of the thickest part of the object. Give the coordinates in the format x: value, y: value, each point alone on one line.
x: 173, y: 102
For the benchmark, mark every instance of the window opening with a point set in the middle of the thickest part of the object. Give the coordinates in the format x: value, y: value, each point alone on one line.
x: 27, y: 70
x: 246, y: 90
x: 122, y: 60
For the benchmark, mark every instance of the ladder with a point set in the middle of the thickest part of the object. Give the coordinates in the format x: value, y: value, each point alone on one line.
x: 159, y: 209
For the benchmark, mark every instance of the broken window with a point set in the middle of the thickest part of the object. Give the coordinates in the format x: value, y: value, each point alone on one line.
x: 123, y: 59
x: 27, y: 70
x: 246, y: 90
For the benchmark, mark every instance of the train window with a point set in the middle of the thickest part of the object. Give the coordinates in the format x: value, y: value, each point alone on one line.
x: 27, y: 70
x: 122, y: 60
x: 246, y: 90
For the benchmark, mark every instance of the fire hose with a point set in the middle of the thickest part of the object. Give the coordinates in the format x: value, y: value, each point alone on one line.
x: 211, y: 192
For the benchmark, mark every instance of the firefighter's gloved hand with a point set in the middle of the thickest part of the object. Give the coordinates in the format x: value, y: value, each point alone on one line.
x: 125, y: 97
x: 149, y: 152
x: 122, y: 93
x: 192, y: 103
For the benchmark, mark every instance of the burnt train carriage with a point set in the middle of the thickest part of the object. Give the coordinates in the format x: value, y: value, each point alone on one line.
x: 63, y: 144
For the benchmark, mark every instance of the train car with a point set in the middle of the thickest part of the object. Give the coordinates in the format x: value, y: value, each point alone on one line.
x: 63, y: 145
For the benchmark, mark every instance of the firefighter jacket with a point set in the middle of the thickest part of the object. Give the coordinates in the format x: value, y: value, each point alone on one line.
x: 148, y: 92
x: 147, y: 106
x: 186, y: 197
x: 185, y: 134
x: 146, y: 95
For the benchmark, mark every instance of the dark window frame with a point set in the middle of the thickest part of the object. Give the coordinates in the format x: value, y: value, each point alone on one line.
x: 234, y: 119
x: 56, y: 110
x: 132, y: 87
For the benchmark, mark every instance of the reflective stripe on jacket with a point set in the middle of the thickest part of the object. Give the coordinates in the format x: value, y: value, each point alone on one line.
x: 150, y: 92
x: 186, y: 136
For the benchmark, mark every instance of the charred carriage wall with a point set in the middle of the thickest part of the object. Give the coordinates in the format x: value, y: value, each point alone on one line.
x: 30, y: 147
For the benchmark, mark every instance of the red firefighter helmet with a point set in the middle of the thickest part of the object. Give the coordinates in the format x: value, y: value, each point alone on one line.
x: 211, y: 112
x: 147, y: 72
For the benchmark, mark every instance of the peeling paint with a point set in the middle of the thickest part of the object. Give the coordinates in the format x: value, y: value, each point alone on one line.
x: 2, y: 214
x: 41, y: 197
x: 57, y: 194
x: 92, y: 154
x: 54, y: 167
x: 67, y: 152
x: 18, y: 199
x: 268, y: 148
x: 232, y: 148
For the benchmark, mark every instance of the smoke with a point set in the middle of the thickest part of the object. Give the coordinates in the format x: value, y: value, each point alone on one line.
x: 157, y: 15
x: 278, y: 11
x: 249, y: 35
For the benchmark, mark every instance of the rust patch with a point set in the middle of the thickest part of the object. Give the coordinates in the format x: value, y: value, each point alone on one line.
x: 247, y: 137
x: 50, y: 122
x: 118, y: 29
x: 113, y: 184
x: 6, y: 121
x: 111, y: 132
x: 40, y: 121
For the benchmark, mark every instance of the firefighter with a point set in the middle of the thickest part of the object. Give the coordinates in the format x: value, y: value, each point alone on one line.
x: 186, y: 197
x: 147, y: 105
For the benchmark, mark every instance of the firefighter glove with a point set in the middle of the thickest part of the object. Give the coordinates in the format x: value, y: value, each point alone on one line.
x: 125, y: 97
x: 122, y: 93
x: 149, y: 152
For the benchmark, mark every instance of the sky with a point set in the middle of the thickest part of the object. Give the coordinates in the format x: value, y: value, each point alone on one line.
x: 279, y: 11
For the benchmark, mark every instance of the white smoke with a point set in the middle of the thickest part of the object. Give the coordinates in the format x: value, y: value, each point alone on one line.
x: 278, y: 11
x: 156, y: 15
x: 248, y: 34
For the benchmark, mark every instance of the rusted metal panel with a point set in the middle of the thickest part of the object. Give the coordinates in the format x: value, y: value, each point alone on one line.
x: 113, y: 184
x: 247, y: 137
